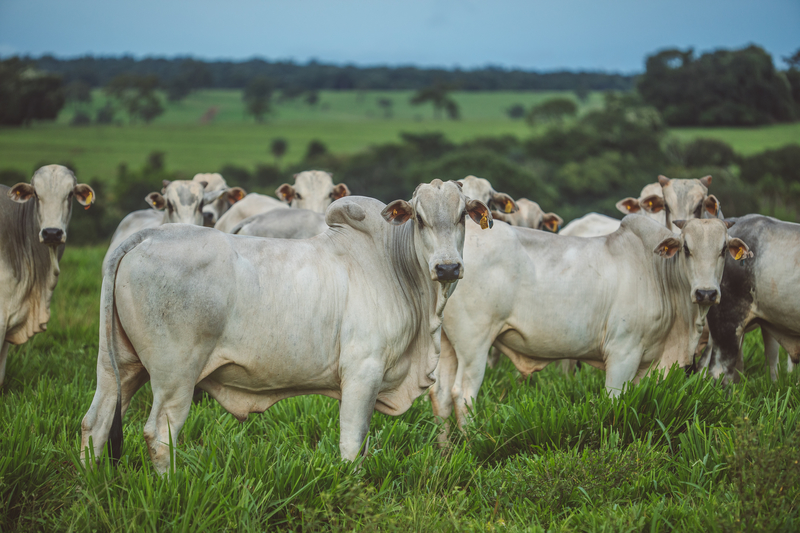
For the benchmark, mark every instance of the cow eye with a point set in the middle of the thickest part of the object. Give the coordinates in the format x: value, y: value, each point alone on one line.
x: 419, y: 220
x: 724, y: 249
x: 169, y: 206
x: 463, y: 217
x: 298, y: 196
x: 686, y: 250
x: 697, y: 210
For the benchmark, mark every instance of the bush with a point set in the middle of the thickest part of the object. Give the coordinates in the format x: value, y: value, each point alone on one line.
x: 80, y: 118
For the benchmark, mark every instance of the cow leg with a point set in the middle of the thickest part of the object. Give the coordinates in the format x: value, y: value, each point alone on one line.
x: 97, y: 422
x: 440, y: 394
x: 621, y: 369
x: 568, y: 366
x: 3, y: 358
x: 359, y: 392
x: 171, y: 402
x: 771, y: 351
x: 494, y: 357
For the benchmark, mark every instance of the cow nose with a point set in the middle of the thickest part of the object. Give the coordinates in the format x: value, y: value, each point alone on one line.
x: 52, y: 235
x: 208, y: 219
x: 705, y: 296
x: 448, y: 272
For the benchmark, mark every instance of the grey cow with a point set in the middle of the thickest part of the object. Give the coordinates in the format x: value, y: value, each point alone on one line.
x: 33, y: 231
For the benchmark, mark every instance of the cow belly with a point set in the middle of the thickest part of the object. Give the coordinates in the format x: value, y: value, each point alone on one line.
x: 536, y: 350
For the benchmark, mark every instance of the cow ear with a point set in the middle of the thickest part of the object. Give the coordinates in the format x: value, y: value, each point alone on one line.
x: 711, y: 205
x: 21, y: 192
x: 679, y: 223
x: 552, y: 222
x: 664, y: 181
x: 706, y: 181
x: 340, y: 190
x: 203, y: 183
x: 629, y: 205
x: 398, y: 212
x: 738, y: 249
x: 165, y: 184
x: 212, y: 196
x: 668, y: 247
x: 84, y: 194
x: 235, y: 194
x: 729, y: 222
x: 156, y: 201
x: 653, y: 203
x: 479, y: 213
x: 460, y: 184
x: 286, y: 193
x: 504, y: 202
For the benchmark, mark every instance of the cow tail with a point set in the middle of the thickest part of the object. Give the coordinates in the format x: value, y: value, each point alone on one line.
x: 115, y: 437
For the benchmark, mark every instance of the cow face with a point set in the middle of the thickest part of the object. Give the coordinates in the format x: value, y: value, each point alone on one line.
x: 182, y: 201
x: 52, y: 187
x: 684, y: 199
x: 481, y: 190
x: 313, y: 190
x: 438, y: 212
x: 213, y: 210
x: 702, y: 245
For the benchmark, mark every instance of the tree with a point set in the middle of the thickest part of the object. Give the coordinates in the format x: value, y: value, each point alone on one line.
x: 136, y: 94
x: 78, y: 92
x: 278, y: 148
x: 312, y: 98
x: 720, y: 88
x: 553, y: 110
x: 437, y: 95
x: 386, y: 105
x: 315, y: 149
x: 257, y: 97
x: 193, y: 75
x: 516, y: 111
x: 27, y: 94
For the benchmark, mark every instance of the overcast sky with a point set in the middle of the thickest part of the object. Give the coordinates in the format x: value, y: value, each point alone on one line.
x: 613, y: 35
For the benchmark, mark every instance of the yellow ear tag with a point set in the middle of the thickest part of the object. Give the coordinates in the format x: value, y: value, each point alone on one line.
x: 484, y: 221
x: 394, y: 212
x: 649, y: 204
x: 666, y: 249
x: 628, y: 207
x: 509, y: 206
x: 88, y: 201
x: 739, y: 254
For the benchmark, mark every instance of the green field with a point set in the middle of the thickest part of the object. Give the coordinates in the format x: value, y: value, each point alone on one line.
x: 554, y: 454
x: 347, y: 122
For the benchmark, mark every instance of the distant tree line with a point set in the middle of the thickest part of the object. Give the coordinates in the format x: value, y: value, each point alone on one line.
x: 183, y: 74
x: 721, y: 88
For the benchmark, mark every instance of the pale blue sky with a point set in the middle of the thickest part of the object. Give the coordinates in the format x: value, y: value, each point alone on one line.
x: 543, y: 35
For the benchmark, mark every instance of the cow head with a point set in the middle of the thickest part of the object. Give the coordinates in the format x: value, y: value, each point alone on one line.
x: 480, y: 189
x: 701, y: 248
x: 686, y: 199
x: 313, y: 190
x: 438, y: 212
x: 52, y: 187
x: 530, y: 215
x: 215, y: 209
x: 650, y: 203
x: 182, y: 201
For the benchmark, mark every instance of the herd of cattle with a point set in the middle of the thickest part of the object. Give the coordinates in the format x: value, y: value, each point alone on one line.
x: 322, y: 292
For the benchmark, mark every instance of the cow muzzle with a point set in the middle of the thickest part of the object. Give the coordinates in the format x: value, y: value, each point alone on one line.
x: 209, y: 219
x: 51, y: 236
x: 448, y: 272
x: 706, y: 296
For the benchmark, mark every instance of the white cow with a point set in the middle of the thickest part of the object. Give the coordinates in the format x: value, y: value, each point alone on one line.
x: 181, y: 202
x: 33, y: 232
x: 530, y: 215
x: 646, y: 204
x: 591, y: 225
x: 354, y: 314
x: 312, y: 189
x: 480, y: 189
x: 214, y: 210
x: 625, y: 303
x: 283, y: 224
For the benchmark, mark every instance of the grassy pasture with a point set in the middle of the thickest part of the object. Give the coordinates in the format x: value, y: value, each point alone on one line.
x: 346, y: 121
x: 554, y: 454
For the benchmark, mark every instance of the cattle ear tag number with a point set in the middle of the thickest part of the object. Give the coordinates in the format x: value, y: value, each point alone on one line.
x: 484, y: 221
x: 509, y: 207
x: 739, y: 253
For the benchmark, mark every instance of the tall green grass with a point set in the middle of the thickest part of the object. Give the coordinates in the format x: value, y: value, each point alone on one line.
x: 551, y: 454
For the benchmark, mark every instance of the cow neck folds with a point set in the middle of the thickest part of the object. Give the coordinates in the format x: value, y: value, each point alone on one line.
x: 676, y: 299
x: 35, y: 266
